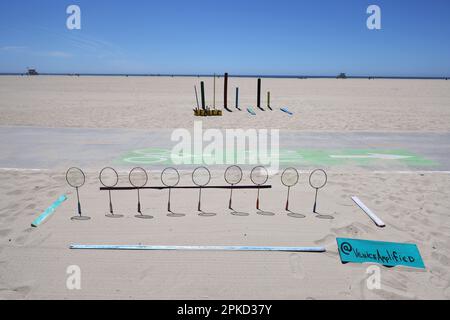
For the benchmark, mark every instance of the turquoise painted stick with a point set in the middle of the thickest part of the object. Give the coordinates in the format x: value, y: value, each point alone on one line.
x: 49, y: 211
x: 203, y: 248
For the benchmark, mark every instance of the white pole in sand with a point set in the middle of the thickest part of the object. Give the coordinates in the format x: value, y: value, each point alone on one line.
x: 202, y: 248
x: 369, y: 212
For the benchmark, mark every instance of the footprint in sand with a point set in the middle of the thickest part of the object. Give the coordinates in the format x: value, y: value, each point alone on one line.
x: 438, y: 282
x: 17, y: 292
x: 327, y: 240
x: 447, y: 293
x: 443, y: 259
x: 353, y: 229
x: 391, y: 289
x: 23, y: 238
x: 296, y: 266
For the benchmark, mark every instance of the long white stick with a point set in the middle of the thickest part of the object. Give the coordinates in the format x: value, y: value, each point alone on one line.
x: 369, y: 212
x: 204, y: 248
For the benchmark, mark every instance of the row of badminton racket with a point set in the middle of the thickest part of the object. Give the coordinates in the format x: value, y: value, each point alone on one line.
x: 201, y: 177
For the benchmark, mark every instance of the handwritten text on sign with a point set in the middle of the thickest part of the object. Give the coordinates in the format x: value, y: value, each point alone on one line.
x: 385, y: 253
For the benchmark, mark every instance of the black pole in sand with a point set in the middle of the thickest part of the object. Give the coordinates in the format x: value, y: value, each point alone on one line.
x: 268, y: 101
x: 237, y: 99
x: 258, y: 96
x: 202, y: 89
x: 225, y: 93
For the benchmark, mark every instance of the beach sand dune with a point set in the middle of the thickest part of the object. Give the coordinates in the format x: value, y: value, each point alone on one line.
x: 34, y: 261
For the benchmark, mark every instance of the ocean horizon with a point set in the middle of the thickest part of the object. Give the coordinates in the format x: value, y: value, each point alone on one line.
x: 230, y: 75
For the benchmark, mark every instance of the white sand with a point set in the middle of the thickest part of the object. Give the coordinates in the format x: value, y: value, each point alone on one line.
x: 414, y: 206
x: 159, y: 102
x: 33, y: 261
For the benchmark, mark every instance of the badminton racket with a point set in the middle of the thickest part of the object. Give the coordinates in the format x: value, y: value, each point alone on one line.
x: 232, y: 175
x: 138, y: 178
x: 109, y: 178
x: 201, y: 177
x: 259, y: 176
x: 289, y: 178
x: 317, y: 180
x: 75, y: 178
x: 170, y: 178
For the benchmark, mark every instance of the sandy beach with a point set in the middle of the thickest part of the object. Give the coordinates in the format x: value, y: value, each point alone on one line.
x: 165, y: 102
x: 412, y: 198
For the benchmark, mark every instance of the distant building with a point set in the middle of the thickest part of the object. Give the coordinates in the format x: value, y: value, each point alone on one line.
x: 32, y: 72
x: 342, y: 76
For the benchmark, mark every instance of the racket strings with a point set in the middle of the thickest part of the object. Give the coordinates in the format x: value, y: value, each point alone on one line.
x: 318, y: 179
x: 170, y: 177
x: 75, y: 177
x: 290, y: 177
x: 201, y: 176
x: 233, y: 175
x: 109, y: 177
x: 138, y: 177
x: 259, y: 175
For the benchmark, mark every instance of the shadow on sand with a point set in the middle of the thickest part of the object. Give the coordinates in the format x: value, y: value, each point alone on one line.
x: 295, y: 214
x: 207, y: 214
x: 323, y: 216
x: 239, y: 213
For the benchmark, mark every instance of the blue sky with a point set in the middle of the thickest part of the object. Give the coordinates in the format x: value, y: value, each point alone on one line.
x: 289, y: 37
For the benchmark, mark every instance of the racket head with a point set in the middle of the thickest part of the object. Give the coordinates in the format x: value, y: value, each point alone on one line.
x: 289, y: 177
x: 318, y: 179
x: 170, y: 177
x: 233, y: 175
x: 138, y: 177
x: 259, y: 175
x: 108, y: 177
x: 75, y: 177
x: 201, y: 176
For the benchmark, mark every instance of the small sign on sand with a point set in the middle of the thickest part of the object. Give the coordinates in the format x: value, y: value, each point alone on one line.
x: 385, y: 253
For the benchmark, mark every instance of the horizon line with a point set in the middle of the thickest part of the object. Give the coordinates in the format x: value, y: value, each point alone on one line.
x: 208, y: 75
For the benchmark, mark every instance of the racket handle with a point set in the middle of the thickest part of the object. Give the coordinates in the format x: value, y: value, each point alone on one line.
x: 198, y: 207
x: 110, y: 208
x: 229, y: 204
x: 139, y: 207
x: 79, y: 208
x: 287, y: 205
x: 168, y: 207
x: 314, y: 208
x: 257, y: 203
